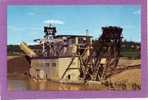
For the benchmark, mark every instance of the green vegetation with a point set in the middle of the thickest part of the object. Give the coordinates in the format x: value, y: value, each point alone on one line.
x: 130, y: 54
x: 121, y: 85
x: 14, y: 50
x: 130, y: 50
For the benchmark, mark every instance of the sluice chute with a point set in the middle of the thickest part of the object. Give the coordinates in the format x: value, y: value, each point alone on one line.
x: 28, y: 51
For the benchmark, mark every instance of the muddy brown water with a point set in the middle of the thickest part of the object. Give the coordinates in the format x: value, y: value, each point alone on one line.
x: 17, y: 66
x: 17, y: 81
x: 29, y: 84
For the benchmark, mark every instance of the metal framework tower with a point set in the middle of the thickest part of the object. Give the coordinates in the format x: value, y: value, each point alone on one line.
x: 104, y: 56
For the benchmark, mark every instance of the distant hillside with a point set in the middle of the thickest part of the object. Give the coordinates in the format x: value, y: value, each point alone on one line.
x: 128, y: 49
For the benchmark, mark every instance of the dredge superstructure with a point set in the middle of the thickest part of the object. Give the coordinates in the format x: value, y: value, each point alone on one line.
x: 75, y: 58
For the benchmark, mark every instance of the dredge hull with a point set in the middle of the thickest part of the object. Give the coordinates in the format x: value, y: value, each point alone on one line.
x: 59, y: 69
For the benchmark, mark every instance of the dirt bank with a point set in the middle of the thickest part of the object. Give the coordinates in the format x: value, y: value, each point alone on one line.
x: 17, y: 64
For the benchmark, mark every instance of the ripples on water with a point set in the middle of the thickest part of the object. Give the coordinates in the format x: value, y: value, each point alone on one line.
x: 48, y: 85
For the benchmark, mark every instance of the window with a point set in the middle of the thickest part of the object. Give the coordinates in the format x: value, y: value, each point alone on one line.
x: 81, y: 40
x: 47, y: 64
x: 53, y: 64
x: 72, y: 41
x: 68, y: 77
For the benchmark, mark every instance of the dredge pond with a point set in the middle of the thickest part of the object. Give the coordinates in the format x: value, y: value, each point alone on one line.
x: 27, y: 84
x: 17, y: 65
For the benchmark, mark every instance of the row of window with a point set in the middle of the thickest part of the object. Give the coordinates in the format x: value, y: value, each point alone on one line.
x: 52, y: 64
x: 80, y: 40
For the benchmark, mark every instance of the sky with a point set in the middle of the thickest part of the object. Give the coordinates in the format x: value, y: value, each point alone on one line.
x: 26, y: 22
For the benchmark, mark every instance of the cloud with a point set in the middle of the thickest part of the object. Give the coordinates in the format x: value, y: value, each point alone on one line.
x: 52, y: 21
x: 19, y: 29
x: 137, y: 12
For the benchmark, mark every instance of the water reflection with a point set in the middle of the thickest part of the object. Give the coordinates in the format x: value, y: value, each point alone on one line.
x: 48, y: 85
